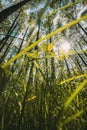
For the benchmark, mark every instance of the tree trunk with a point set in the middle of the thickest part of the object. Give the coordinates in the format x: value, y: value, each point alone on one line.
x: 25, y: 97
x: 19, y: 49
x: 3, y: 80
x: 8, y: 11
x: 3, y: 42
x: 80, y: 26
x: 7, y: 49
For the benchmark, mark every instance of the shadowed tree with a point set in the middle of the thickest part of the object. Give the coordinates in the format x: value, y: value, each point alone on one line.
x: 8, y: 11
x: 3, y: 80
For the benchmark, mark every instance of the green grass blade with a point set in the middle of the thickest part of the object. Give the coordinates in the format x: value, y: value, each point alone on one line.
x: 73, y: 117
x: 73, y: 78
x: 73, y: 95
x: 62, y: 8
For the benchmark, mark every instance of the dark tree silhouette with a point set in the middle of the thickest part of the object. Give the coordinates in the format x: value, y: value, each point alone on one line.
x: 8, y: 11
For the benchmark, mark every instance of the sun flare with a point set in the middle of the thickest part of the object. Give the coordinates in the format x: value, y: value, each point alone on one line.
x: 65, y: 46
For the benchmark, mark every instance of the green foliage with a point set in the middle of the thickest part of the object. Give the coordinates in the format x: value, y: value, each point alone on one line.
x: 41, y: 86
x: 73, y: 95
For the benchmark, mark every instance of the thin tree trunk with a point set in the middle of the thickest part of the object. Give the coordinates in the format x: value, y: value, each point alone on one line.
x: 8, y: 11
x: 52, y: 59
x: 83, y: 60
x: 25, y: 97
x: 81, y: 35
x: 11, y: 29
x: 3, y: 80
x: 20, y: 46
x: 2, y: 46
x: 78, y: 25
x: 79, y: 66
x: 68, y: 70
x: 7, y: 49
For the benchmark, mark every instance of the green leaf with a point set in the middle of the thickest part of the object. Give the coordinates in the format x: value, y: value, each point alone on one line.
x: 28, y: 54
x: 36, y: 64
x: 20, y: 105
x: 33, y: 55
x: 31, y: 98
x: 50, y: 46
x: 50, y: 55
x: 44, y: 47
x: 73, y: 95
